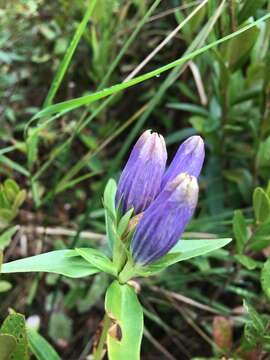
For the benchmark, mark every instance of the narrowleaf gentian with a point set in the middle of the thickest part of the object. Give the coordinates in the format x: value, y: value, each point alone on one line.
x: 165, y: 200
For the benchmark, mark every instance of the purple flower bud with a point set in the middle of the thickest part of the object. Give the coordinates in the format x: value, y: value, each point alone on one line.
x: 189, y: 158
x: 164, y: 221
x: 140, y: 181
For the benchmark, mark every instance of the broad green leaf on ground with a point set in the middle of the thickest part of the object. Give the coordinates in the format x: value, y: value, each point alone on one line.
x: 14, y: 325
x: 60, y: 262
x: 40, y: 347
x: 7, y: 345
x: 265, y: 279
x: 125, y: 335
x: 97, y: 259
x: 183, y: 250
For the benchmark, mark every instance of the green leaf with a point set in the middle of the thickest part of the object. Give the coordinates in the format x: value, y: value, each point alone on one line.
x: 7, y: 346
x: 18, y: 201
x: 240, y: 230
x: 60, y: 326
x: 97, y: 289
x: 123, y: 222
x: 110, y: 212
x: 125, y: 311
x: 40, y: 347
x: 261, y: 205
x: 256, y: 319
x: 5, y: 286
x: 247, y: 262
x: 183, y: 250
x: 265, y: 278
x: 263, y: 153
x: 14, y: 165
x: 59, y: 261
x: 6, y: 237
x: 97, y: 259
x: 237, y: 48
x: 14, y: 325
x: 11, y: 189
x: 6, y: 216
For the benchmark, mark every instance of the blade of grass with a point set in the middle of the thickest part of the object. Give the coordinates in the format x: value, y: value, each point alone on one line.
x: 165, y: 41
x: 68, y: 54
x: 128, y: 43
x: 171, y: 78
x: 87, y: 99
x: 13, y: 165
x: 168, y: 82
x: 84, y: 122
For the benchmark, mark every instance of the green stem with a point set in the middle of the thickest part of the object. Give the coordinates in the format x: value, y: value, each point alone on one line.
x: 98, y: 355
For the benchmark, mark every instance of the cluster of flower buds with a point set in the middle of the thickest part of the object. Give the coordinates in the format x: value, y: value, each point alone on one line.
x: 165, y: 198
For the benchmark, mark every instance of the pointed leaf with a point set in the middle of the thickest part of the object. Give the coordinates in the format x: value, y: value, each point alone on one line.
x: 97, y: 259
x: 240, y: 230
x: 265, y: 279
x: 60, y: 262
x: 183, y: 250
x: 40, y: 347
x: 6, y: 237
x: 255, y: 317
x: 261, y: 205
x: 247, y: 262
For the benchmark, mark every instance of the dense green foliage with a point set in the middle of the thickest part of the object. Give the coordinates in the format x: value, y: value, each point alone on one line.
x: 56, y: 160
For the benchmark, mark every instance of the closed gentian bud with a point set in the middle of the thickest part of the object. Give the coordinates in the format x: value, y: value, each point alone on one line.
x: 189, y: 158
x: 140, y: 181
x: 164, y: 221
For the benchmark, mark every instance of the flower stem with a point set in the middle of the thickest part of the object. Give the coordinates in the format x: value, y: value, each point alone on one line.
x: 98, y: 355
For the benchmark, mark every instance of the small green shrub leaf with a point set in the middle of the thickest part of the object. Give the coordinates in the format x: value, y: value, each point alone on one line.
x: 265, y: 278
x: 261, y: 205
x: 240, y: 230
x: 14, y: 325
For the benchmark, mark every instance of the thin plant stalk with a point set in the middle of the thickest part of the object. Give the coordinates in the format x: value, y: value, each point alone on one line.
x: 98, y: 354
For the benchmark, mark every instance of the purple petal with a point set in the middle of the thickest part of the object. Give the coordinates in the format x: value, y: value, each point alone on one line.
x: 140, y: 181
x: 164, y: 221
x: 189, y: 158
